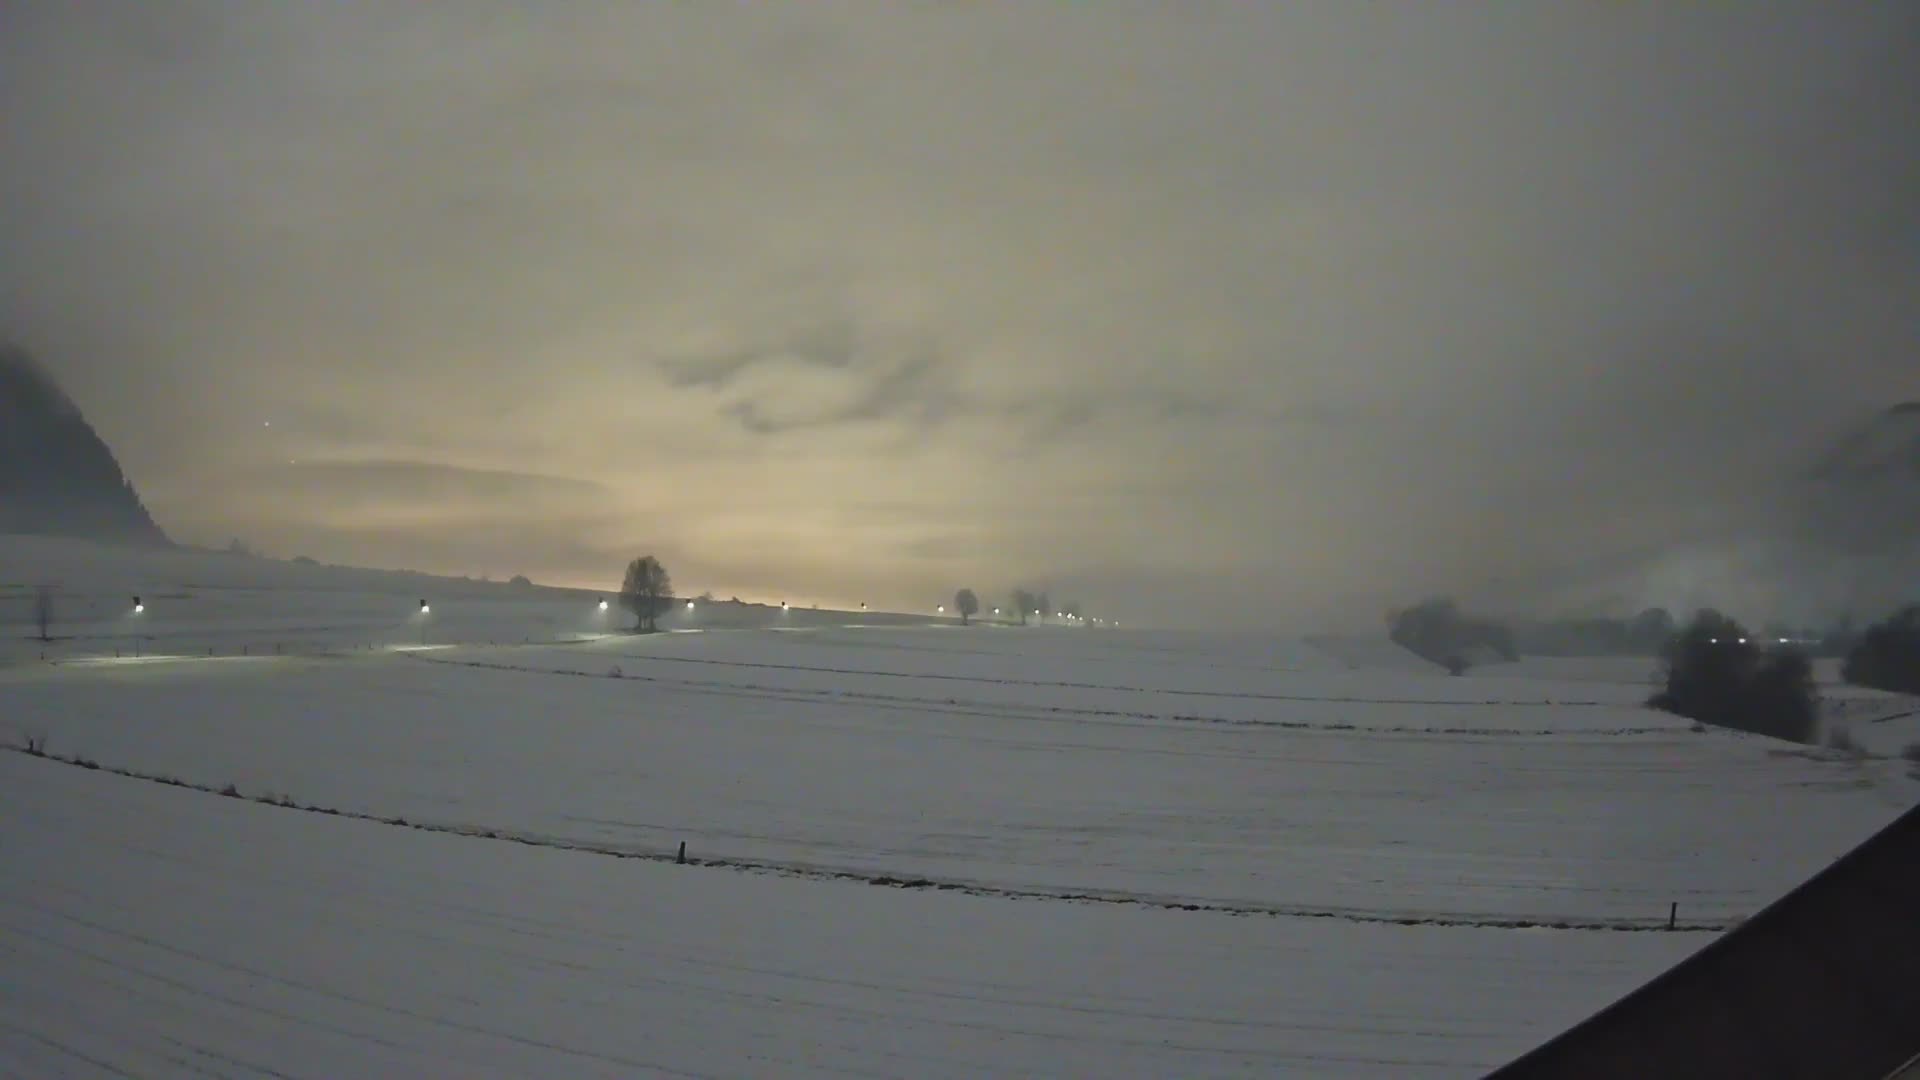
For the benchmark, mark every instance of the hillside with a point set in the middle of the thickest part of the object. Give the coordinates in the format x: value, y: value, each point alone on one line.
x: 1864, y: 494
x: 57, y: 476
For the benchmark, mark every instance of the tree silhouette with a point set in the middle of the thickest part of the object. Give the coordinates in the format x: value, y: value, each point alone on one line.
x: 1887, y: 655
x: 647, y: 592
x: 1024, y: 604
x: 967, y: 604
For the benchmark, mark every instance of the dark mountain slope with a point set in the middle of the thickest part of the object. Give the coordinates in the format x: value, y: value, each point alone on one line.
x: 57, y: 477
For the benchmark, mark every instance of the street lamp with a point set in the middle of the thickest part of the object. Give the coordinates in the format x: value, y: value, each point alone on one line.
x: 603, y: 605
x: 942, y: 609
x: 138, y: 607
x: 689, y: 605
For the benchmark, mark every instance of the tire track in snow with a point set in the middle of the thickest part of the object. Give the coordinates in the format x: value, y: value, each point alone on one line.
x: 789, y: 693
x: 814, y: 872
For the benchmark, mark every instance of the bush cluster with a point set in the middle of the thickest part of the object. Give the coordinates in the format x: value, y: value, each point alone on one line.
x: 1712, y: 671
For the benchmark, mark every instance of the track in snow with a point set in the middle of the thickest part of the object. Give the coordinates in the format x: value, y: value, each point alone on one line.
x: 1382, y: 917
x: 975, y: 708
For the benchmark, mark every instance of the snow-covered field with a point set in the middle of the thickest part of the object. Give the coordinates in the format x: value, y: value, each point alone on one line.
x: 921, y: 850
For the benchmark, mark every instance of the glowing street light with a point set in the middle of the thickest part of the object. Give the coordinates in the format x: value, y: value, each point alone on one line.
x: 424, y: 608
x: 689, y: 605
x: 138, y: 607
x: 942, y: 609
x: 783, y: 605
x: 603, y: 605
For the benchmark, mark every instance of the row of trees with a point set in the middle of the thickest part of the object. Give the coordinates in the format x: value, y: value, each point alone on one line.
x: 1025, y: 603
x: 1887, y: 655
x: 1714, y: 671
x: 647, y: 592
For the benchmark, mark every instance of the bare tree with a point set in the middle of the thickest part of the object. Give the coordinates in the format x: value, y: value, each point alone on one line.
x: 647, y: 592
x: 967, y: 604
x: 43, y: 611
x: 1024, y: 605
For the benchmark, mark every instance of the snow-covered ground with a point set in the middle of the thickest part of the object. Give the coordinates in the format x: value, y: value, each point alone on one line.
x: 1125, y: 853
x: 152, y: 932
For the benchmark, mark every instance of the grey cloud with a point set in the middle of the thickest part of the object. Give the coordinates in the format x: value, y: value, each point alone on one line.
x: 882, y: 383
x: 912, y: 386
x: 1337, y: 303
x: 429, y: 480
x: 831, y: 346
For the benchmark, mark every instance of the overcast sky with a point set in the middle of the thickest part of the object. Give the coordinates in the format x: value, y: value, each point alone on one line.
x: 1247, y: 312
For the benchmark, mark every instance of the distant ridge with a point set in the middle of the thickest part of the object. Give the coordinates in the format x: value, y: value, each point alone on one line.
x: 1888, y: 441
x: 57, y: 476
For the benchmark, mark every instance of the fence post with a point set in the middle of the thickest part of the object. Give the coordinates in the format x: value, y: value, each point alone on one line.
x: 1673, y: 914
x: 682, y: 857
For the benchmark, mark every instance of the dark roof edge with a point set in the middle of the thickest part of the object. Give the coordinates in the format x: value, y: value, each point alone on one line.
x: 1867, y: 853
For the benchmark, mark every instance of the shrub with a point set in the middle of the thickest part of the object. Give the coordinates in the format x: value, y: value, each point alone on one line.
x: 1781, y: 699
x: 1887, y: 656
x: 1436, y: 630
x: 1711, y: 671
